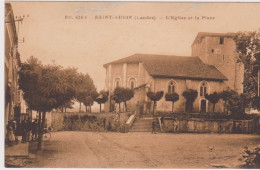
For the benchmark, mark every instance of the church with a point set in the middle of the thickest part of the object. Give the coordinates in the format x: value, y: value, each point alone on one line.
x: 212, y: 67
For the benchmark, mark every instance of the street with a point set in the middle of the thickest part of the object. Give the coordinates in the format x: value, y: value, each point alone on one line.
x: 141, y: 150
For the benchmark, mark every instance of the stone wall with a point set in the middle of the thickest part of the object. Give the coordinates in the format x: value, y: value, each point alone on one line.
x: 207, y: 126
x: 88, y: 121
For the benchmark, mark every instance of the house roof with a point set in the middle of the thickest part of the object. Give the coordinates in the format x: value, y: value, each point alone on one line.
x: 201, y: 35
x: 174, y: 66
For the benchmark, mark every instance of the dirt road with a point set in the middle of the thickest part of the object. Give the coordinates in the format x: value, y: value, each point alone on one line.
x: 141, y: 150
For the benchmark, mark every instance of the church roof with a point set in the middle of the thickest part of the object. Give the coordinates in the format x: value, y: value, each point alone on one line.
x: 201, y: 35
x: 174, y: 66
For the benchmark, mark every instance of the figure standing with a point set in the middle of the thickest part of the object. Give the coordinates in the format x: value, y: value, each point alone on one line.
x: 153, y: 127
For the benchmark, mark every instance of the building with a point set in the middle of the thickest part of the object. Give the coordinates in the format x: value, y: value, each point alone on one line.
x: 14, y: 103
x: 213, y: 67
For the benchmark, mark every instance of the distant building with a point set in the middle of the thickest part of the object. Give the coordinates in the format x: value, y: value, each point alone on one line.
x: 14, y: 103
x: 213, y: 67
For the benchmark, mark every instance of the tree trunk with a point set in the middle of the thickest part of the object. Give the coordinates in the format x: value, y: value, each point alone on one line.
x: 125, y: 107
x: 86, y: 108
x: 119, y: 108
x: 214, y: 107
x: 65, y: 109
x: 90, y: 109
x: 100, y: 107
x: 153, y: 108
x: 172, y: 106
x: 225, y: 103
x: 79, y: 106
x: 39, y: 147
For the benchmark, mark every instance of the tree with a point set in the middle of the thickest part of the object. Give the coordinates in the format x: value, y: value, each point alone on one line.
x: 226, y: 96
x: 84, y: 87
x: 89, y: 100
x: 190, y: 96
x: 154, y: 96
x: 44, y: 88
x: 248, y: 48
x: 213, y: 98
x: 102, y: 98
x: 173, y: 97
x: 121, y: 94
x: 237, y: 104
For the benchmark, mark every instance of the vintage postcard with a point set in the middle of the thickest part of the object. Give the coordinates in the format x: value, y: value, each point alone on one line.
x: 131, y: 85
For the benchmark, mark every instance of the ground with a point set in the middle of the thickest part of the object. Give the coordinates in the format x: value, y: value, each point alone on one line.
x: 142, y: 150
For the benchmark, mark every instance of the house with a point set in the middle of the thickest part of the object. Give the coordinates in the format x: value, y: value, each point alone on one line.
x: 14, y: 103
x: 212, y: 67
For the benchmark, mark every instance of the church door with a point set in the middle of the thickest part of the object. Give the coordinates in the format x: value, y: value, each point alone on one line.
x: 203, y: 106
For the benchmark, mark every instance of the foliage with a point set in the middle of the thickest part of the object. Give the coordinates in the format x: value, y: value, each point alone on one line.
x: 102, y: 97
x: 226, y: 96
x: 84, y: 87
x: 173, y: 97
x: 121, y: 94
x: 190, y: 96
x: 154, y: 96
x: 251, y: 158
x: 89, y: 100
x: 248, y: 48
x: 45, y: 87
x: 213, y: 98
x: 237, y: 104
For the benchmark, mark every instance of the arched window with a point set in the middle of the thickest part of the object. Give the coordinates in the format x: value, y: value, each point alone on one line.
x: 204, y: 89
x: 117, y: 82
x: 132, y: 83
x: 171, y: 87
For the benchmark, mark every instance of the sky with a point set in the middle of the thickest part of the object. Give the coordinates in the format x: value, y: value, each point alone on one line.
x: 88, y: 43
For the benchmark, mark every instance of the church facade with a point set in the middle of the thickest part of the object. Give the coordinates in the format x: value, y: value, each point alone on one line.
x: 212, y: 67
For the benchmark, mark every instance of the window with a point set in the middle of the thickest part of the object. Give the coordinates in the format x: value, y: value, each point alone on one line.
x: 132, y: 83
x: 212, y: 50
x: 171, y: 87
x: 221, y: 40
x: 203, y: 89
x: 223, y: 57
x: 117, y: 82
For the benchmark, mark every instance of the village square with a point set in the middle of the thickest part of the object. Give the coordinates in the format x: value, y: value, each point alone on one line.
x: 141, y: 109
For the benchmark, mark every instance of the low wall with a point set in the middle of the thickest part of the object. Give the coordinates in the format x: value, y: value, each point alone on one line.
x: 207, y: 126
x: 88, y: 121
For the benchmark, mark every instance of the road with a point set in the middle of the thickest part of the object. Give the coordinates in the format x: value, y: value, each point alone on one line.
x: 141, y: 150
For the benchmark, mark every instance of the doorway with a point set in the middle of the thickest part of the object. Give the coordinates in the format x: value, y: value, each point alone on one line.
x: 203, y: 104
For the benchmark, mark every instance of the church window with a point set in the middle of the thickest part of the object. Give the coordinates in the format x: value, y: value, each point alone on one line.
x: 117, y: 82
x: 203, y: 89
x: 132, y: 83
x: 171, y: 87
x: 221, y: 40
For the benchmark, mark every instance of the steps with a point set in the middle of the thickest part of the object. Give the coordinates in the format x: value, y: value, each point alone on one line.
x: 143, y: 125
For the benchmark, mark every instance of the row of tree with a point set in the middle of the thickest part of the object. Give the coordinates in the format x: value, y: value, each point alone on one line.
x: 233, y: 102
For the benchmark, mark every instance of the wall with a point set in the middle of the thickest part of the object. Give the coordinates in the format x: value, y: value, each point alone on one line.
x: 125, y: 72
x: 87, y: 122
x: 222, y: 56
x: 161, y: 84
x: 202, y: 126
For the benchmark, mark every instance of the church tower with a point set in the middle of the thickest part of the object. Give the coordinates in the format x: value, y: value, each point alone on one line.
x: 219, y: 50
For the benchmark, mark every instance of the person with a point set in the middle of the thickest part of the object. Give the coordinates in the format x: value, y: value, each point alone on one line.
x: 23, y: 130
x: 10, y: 133
x: 153, y: 127
x: 28, y: 129
x: 34, y: 130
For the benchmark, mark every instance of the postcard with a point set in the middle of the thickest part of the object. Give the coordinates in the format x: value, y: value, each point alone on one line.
x: 131, y: 85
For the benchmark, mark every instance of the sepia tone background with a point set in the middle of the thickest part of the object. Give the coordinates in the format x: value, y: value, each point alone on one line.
x: 89, y: 43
